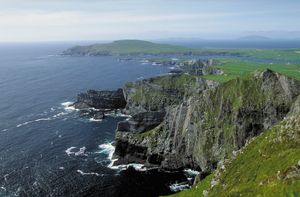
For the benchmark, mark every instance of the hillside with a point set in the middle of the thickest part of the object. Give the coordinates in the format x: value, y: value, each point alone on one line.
x: 124, y: 47
x: 268, y: 166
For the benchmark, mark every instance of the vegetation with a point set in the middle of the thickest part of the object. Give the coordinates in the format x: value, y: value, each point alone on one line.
x: 268, y: 166
x: 127, y: 47
x: 234, y: 68
x: 131, y: 47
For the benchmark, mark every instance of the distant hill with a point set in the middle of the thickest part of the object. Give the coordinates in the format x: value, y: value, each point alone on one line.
x: 123, y: 47
x: 254, y: 38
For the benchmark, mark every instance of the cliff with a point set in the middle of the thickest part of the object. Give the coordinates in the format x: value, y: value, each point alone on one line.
x: 268, y: 165
x: 204, y: 123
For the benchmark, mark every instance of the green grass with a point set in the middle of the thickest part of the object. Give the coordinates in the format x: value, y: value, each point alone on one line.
x: 234, y: 68
x: 128, y: 47
x: 266, y: 167
x: 131, y: 47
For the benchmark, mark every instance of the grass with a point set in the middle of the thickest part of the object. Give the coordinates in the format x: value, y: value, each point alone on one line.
x: 234, y: 68
x: 266, y: 167
x: 132, y: 47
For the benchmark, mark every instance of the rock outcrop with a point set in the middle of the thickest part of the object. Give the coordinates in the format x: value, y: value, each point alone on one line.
x: 106, y: 100
x: 155, y: 94
x: 96, y: 103
x: 141, y: 122
x: 206, y: 123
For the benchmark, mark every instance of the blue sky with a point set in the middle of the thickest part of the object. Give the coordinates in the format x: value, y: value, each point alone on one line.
x: 63, y: 20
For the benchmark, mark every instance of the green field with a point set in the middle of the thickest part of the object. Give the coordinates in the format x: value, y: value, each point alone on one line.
x: 237, y: 68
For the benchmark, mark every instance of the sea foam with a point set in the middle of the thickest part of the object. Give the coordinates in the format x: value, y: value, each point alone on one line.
x: 89, y: 173
x: 68, y: 106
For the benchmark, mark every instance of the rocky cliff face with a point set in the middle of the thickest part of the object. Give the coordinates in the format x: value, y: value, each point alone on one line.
x: 95, y: 103
x: 155, y: 94
x: 203, y: 125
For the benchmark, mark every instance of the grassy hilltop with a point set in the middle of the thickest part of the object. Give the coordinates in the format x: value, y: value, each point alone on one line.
x: 127, y: 47
x: 134, y: 47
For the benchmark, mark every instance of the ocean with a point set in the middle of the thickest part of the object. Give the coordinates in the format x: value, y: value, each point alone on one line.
x: 47, y: 148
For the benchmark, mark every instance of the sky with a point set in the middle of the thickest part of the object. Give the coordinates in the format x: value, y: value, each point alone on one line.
x: 80, y: 20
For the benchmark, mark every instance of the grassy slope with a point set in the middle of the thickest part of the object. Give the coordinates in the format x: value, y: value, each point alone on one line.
x: 236, y: 68
x: 123, y: 47
x: 266, y: 167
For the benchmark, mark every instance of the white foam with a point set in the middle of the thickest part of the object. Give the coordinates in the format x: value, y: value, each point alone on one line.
x: 68, y: 106
x: 95, y: 120
x: 23, y: 124
x: 81, y: 152
x: 88, y: 173
x: 42, y: 119
x: 5, y: 130
x: 136, y: 166
x: 32, y: 121
x: 3, y: 188
x: 61, y: 168
x: 60, y: 114
x: 69, y: 151
x: 118, y: 114
x: 176, y: 187
x: 191, y: 172
x: 107, y: 149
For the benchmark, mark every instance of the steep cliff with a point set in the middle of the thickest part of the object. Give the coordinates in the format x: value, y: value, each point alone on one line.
x: 204, y: 125
x: 155, y: 94
x: 268, y: 165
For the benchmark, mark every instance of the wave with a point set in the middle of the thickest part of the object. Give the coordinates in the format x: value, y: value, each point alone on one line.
x: 191, y: 172
x: 3, y: 130
x: 69, y: 151
x: 89, y: 173
x: 136, y: 166
x: 109, y: 149
x: 32, y: 121
x: 68, y: 106
x: 95, y: 120
x: 60, y: 114
x: 81, y: 151
x: 176, y: 187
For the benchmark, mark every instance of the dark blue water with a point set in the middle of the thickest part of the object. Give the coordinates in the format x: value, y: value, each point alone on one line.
x: 36, y: 129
